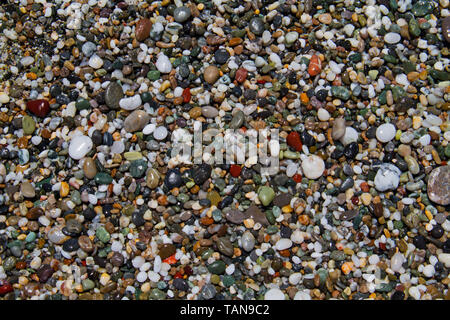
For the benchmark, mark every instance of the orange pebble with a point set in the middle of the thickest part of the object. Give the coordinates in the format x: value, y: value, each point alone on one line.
x: 314, y: 66
x: 364, y: 187
x: 303, y: 219
x: 304, y: 98
x: 206, y: 221
x: 347, y: 267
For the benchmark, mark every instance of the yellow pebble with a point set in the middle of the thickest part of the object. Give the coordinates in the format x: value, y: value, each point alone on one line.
x: 417, y: 122
x: 387, y: 233
x: 366, y: 198
x: 64, y: 191
x: 249, y: 223
x: 164, y: 86
x: 286, y: 209
x: 146, y: 287
x: 348, y: 251
x: 21, y: 237
x: 200, y: 6
x: 429, y: 214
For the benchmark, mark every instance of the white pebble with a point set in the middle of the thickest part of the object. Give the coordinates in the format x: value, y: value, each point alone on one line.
x: 274, y: 294
x: 385, y: 132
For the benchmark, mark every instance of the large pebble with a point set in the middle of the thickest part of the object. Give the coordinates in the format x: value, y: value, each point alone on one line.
x: 211, y: 74
x: 338, y: 129
x: 136, y: 121
x: 385, y: 132
x: 143, y: 27
x: 274, y: 294
x: 130, y: 103
x: 79, y: 146
x: 163, y: 64
x: 113, y: 95
x: 350, y: 135
x: 387, y: 177
x: 248, y: 241
x: 27, y: 190
x: 438, y: 187
x: 313, y: 167
x: 283, y: 244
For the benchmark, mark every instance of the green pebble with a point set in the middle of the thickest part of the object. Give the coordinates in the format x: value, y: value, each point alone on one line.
x: 270, y: 217
x: 217, y: 267
x: 157, y: 294
x: 30, y: 237
x: 291, y: 154
x: 102, y: 234
x: 272, y: 229
x: 228, y: 281
x: 102, y: 178
x: 340, y: 92
x: 28, y: 125
x: 138, y: 168
x: 153, y: 75
x: 266, y: 195
x: 87, y: 284
x: 414, y: 28
x: 9, y: 263
x: 82, y: 104
x: 146, y: 96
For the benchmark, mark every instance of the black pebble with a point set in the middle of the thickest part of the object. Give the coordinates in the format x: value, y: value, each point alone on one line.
x: 173, y: 179
x: 351, y: 150
x: 420, y: 242
x: 71, y: 245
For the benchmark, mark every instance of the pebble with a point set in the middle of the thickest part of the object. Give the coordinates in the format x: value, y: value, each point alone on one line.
x: 438, y: 188
x: 182, y: 14
x: 392, y: 38
x: 143, y: 27
x: 387, y: 177
x: 80, y: 146
x: 131, y: 103
x: 274, y: 294
x: 163, y: 64
x: 385, y: 132
x: 27, y: 190
x: 160, y: 133
x: 266, y: 195
x: 283, y: 244
x: 89, y: 168
x: 313, y: 167
x: 113, y: 95
x: 248, y: 241
x: 211, y: 74
x: 136, y: 121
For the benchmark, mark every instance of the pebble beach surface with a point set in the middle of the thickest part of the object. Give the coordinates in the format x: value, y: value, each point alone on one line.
x: 93, y: 94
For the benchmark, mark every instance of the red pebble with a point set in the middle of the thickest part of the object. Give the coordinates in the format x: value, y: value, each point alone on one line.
x: 170, y: 260
x: 178, y: 275
x: 186, y: 95
x: 293, y: 140
x: 297, y: 178
x: 4, y: 289
x: 235, y: 170
x: 355, y: 200
x: 39, y: 107
x: 241, y: 75
x: 314, y: 66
